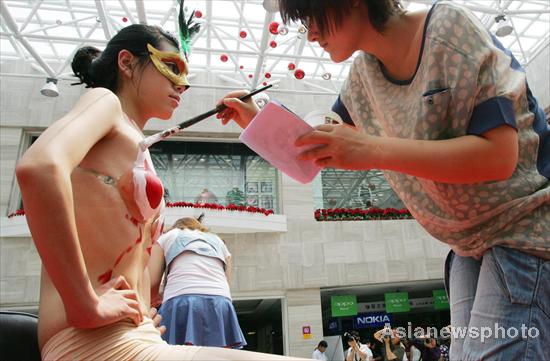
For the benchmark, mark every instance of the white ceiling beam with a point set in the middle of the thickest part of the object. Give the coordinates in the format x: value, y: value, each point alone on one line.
x: 208, y: 26
x: 200, y: 50
x: 299, y: 49
x: 31, y: 14
x: 229, y: 53
x: 171, y: 11
x: 73, y: 17
x: 52, y: 46
x: 104, y: 19
x: 75, y: 21
x: 262, y: 49
x: 243, y: 19
x: 142, y: 16
x: 202, y: 86
x: 70, y: 57
x: 10, y: 23
x: 127, y: 11
x: 239, y: 41
x: 16, y: 46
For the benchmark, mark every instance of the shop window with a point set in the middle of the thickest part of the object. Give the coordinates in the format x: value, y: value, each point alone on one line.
x: 209, y: 172
x: 337, y: 188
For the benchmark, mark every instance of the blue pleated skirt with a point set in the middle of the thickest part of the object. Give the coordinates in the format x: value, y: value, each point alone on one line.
x: 201, y: 320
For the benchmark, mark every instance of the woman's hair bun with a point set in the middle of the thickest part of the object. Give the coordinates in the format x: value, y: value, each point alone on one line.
x: 82, y: 65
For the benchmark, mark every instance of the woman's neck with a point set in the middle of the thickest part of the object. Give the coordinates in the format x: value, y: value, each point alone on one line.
x: 131, y: 108
x: 397, y: 48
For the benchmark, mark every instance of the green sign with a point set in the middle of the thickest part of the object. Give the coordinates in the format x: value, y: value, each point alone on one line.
x: 441, y: 302
x: 397, y: 302
x: 343, y: 305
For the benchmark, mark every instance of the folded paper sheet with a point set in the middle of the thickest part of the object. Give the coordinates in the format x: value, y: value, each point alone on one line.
x: 272, y: 134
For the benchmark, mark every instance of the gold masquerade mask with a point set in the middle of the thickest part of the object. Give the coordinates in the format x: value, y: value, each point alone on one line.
x: 170, y: 64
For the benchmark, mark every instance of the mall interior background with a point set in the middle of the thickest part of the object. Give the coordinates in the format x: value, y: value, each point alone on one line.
x: 285, y: 274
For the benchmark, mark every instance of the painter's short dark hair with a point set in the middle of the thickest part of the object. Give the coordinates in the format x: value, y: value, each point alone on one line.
x: 323, y: 12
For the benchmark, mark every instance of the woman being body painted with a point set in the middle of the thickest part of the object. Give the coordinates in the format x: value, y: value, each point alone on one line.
x: 438, y: 104
x: 108, y: 202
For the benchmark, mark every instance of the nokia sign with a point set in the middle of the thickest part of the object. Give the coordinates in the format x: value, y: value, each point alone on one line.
x: 365, y: 320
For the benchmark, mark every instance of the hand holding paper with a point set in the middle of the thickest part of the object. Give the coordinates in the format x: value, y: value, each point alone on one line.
x: 272, y: 134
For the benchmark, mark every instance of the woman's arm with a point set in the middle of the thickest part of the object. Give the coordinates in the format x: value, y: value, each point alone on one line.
x: 228, y: 268
x: 466, y: 159
x: 156, y: 270
x: 362, y: 355
x: 350, y: 355
x: 44, y: 174
x: 378, y: 335
x: 389, y: 354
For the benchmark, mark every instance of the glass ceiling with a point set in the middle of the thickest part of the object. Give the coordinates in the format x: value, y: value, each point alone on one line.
x: 235, y: 42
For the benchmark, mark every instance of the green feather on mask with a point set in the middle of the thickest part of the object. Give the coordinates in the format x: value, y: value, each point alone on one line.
x: 187, y: 29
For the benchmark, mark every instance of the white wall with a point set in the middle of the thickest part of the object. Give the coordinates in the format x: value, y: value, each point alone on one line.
x: 538, y: 76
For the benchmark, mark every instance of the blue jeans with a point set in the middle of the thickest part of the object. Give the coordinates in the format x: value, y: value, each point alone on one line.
x: 500, y: 306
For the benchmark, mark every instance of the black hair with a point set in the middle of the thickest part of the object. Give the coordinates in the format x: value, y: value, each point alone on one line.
x: 97, y: 68
x: 330, y: 14
x: 323, y: 343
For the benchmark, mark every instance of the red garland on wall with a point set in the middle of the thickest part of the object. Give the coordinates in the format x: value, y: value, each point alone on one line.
x: 330, y: 214
x: 214, y: 206
x: 219, y: 207
x: 358, y: 214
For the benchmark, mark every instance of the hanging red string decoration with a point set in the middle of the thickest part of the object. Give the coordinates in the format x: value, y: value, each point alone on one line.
x: 267, y: 75
x: 273, y: 43
x: 274, y: 28
x: 223, y: 58
x: 242, y: 34
x: 299, y: 74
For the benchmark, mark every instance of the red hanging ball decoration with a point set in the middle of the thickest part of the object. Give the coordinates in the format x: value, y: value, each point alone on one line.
x: 223, y: 58
x: 250, y: 76
x: 264, y: 83
x: 267, y: 75
x: 124, y: 19
x: 273, y: 43
x: 242, y: 34
x: 241, y: 67
x: 299, y: 74
x: 291, y: 66
x: 198, y: 14
x: 274, y: 28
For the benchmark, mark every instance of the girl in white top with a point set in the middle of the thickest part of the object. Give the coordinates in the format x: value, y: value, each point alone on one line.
x: 196, y: 304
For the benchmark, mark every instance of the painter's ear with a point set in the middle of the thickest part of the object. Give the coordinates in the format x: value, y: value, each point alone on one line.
x: 126, y: 62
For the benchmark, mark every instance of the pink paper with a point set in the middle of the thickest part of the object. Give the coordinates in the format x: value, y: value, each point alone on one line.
x: 272, y: 134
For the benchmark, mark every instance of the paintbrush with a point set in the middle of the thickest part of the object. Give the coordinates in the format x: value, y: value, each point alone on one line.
x: 152, y: 139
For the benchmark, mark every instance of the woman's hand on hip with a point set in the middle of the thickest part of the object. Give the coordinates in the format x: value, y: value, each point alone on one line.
x: 116, y: 301
x: 156, y: 317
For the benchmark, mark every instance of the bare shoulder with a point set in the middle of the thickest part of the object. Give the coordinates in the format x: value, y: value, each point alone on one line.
x: 97, y: 103
x: 100, y: 97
